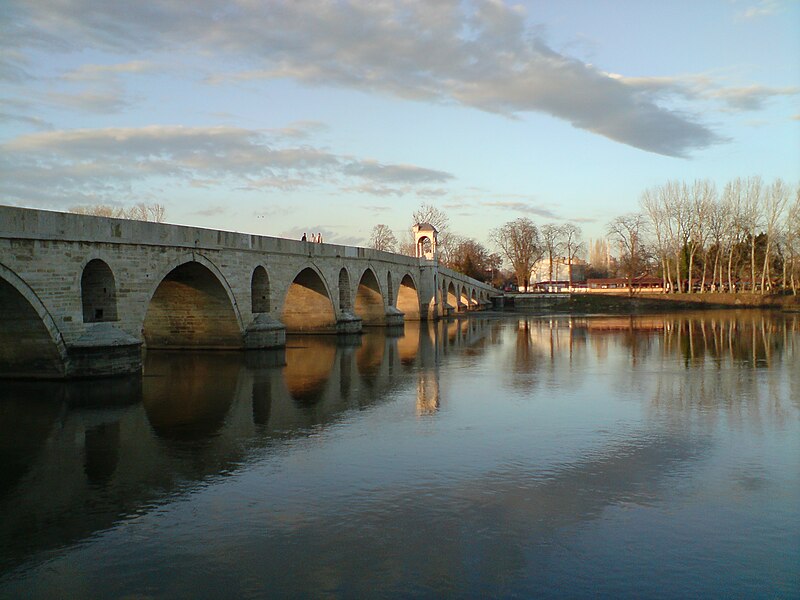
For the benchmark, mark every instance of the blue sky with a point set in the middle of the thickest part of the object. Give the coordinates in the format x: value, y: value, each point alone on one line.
x: 278, y: 118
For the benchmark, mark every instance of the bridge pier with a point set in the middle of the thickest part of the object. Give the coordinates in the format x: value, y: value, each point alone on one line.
x: 394, y: 317
x: 264, y: 332
x: 348, y: 323
x: 103, y: 350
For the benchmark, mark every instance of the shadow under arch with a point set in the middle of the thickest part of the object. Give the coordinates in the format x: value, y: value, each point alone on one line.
x: 259, y: 291
x: 452, y: 299
x: 408, y: 298
x: 474, y: 299
x: 30, y: 342
x: 309, y: 363
x: 464, y: 296
x: 307, y: 306
x: 192, y: 307
x: 369, y: 300
x: 98, y: 292
x: 345, y: 303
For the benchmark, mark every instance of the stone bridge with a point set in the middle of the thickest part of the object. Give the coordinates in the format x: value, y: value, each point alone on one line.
x: 81, y: 296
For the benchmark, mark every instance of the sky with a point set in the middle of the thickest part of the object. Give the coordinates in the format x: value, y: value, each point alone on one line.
x: 279, y: 118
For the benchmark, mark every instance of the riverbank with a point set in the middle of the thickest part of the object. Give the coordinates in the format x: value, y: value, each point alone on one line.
x: 646, y: 303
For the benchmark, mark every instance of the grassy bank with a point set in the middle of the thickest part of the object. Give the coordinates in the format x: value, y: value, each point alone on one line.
x: 647, y: 303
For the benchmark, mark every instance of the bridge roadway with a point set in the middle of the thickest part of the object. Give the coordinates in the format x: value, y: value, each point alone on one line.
x: 80, y: 296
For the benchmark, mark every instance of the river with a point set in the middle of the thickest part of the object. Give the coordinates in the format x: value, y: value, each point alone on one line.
x: 501, y: 455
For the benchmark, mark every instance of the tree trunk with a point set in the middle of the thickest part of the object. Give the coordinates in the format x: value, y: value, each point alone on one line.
x: 730, y: 267
x: 765, y: 272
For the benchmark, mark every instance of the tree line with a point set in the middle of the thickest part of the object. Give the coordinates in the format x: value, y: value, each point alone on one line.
x: 696, y: 239
x: 138, y: 212
x: 693, y: 237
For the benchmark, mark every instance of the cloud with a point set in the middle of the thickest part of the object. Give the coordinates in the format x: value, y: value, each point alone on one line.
x: 751, y: 97
x: 212, y: 211
x: 764, y: 8
x: 93, y: 101
x: 92, y: 165
x: 28, y: 120
x: 524, y: 207
x: 300, y: 129
x: 704, y: 87
x: 375, y: 171
x: 478, y: 54
x: 92, y: 72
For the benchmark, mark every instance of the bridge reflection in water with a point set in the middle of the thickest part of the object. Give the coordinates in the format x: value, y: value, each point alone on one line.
x: 76, y: 458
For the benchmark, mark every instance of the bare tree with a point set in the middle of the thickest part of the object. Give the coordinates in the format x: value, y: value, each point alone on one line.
x: 628, y: 231
x: 703, y: 196
x: 599, y: 256
x: 792, y: 242
x: 719, y: 222
x: 649, y: 201
x: 382, y: 238
x: 99, y: 210
x: 519, y: 241
x: 571, y: 239
x: 775, y: 200
x: 551, y: 244
x: 138, y: 212
x: 733, y: 200
x: 469, y: 257
x: 751, y: 213
x: 406, y: 244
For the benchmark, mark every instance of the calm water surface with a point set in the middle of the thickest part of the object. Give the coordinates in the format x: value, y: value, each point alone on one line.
x: 491, y: 456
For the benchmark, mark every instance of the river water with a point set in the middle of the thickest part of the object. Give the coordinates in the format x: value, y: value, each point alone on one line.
x: 517, y: 456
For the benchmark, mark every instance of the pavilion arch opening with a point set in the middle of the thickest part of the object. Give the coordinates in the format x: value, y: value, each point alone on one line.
x: 98, y: 292
x: 345, y: 303
x: 191, y: 309
x: 27, y: 348
x: 369, y: 300
x: 308, y: 307
x: 408, y: 299
x: 259, y: 290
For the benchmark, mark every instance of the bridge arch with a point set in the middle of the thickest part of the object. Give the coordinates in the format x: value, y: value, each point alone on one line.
x: 307, y: 306
x: 473, y: 301
x: 192, y: 306
x: 369, y: 299
x: 98, y: 292
x: 408, y: 298
x: 259, y: 291
x: 30, y: 343
x: 452, y: 299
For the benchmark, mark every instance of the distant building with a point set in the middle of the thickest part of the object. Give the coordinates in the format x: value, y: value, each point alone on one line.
x: 541, y: 279
x: 643, y: 283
